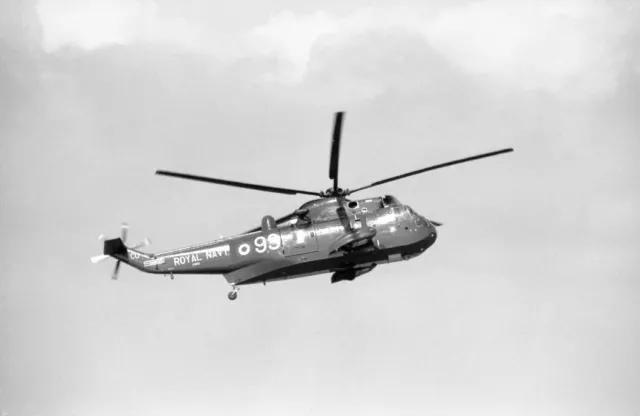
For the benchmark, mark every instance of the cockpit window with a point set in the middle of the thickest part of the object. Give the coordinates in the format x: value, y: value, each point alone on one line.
x: 390, y: 201
x: 420, y: 220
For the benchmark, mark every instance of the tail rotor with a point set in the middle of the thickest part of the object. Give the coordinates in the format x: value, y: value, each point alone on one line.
x: 124, y: 230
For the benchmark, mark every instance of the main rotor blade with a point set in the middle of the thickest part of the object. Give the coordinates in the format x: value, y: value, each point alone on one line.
x: 236, y: 184
x: 335, y: 149
x: 434, y: 167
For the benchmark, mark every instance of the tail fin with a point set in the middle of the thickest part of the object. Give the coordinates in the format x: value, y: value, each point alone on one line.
x: 116, y: 249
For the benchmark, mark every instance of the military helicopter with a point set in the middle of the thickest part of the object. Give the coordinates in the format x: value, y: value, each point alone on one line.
x: 329, y: 234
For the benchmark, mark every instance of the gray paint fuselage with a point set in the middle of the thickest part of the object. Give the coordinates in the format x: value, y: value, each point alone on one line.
x: 300, y: 246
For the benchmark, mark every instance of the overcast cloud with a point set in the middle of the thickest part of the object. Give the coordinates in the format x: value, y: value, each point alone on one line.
x: 527, y: 304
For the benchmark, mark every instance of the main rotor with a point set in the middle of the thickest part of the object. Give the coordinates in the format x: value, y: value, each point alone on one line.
x: 335, y: 190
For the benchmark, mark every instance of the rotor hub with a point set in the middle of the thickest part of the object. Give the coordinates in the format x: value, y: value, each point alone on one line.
x: 330, y: 193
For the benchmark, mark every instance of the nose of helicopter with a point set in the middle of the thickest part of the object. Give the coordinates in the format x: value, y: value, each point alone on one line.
x: 429, y: 233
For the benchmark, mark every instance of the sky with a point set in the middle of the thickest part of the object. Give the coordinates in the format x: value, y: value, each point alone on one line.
x: 527, y: 304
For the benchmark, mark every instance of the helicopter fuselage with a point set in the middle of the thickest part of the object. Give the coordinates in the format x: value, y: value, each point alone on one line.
x: 326, y: 235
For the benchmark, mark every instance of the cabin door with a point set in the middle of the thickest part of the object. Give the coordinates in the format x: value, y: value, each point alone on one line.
x: 299, y: 239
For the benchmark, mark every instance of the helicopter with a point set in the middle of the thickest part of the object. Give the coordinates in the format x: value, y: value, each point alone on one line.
x: 329, y: 234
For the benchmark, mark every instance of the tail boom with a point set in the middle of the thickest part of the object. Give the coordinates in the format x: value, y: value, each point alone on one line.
x: 211, y: 259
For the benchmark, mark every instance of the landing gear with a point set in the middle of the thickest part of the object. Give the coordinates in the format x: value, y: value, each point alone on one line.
x: 234, y: 293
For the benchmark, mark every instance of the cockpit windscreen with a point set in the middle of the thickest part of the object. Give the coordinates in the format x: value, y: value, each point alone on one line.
x: 390, y: 201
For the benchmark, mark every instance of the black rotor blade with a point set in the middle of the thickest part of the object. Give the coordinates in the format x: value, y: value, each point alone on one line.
x: 434, y: 167
x: 335, y: 149
x: 236, y: 184
x: 114, y: 276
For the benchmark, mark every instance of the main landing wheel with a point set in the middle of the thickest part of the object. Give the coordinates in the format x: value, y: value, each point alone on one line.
x: 233, y: 295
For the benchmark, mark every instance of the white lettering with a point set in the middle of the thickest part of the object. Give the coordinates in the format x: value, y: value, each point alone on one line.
x: 183, y: 259
x: 154, y: 262
x: 217, y: 252
x: 197, y: 256
x: 274, y: 241
x: 261, y: 244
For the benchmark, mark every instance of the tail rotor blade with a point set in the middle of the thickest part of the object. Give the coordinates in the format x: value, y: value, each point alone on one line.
x: 143, y: 243
x: 115, y: 271
x: 98, y: 259
x: 125, y: 229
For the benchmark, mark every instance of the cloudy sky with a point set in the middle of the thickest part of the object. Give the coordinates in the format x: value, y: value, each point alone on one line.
x: 527, y: 304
